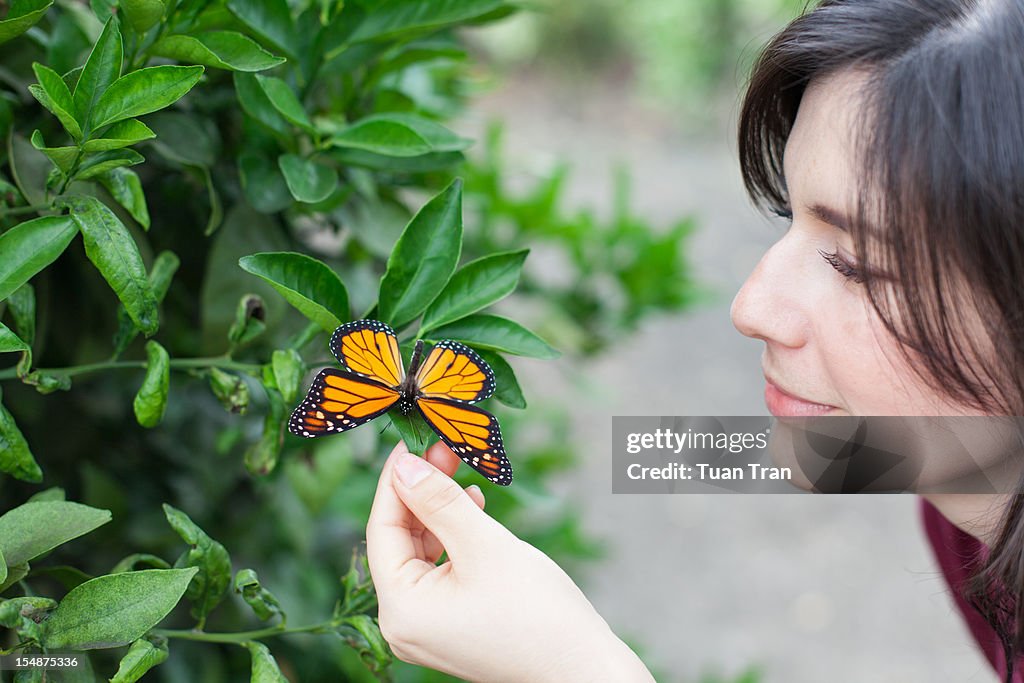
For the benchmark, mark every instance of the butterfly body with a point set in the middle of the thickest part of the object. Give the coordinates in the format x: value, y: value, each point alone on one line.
x: 442, y: 385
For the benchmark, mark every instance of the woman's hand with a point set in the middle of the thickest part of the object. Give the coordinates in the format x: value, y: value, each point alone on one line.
x: 498, y: 609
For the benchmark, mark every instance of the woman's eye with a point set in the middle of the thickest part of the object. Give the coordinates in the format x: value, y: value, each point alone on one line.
x: 783, y: 212
x: 842, y: 266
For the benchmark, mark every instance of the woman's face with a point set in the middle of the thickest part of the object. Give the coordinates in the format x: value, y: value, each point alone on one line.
x: 826, y: 351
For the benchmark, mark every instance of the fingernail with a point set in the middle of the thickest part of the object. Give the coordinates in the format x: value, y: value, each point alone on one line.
x: 473, y: 486
x: 411, y: 469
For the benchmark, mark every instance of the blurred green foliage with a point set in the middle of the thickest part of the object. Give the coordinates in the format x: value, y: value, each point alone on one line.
x: 680, y: 55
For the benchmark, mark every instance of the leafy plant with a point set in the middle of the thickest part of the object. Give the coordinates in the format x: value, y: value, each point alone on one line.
x: 193, y: 195
x: 612, y: 272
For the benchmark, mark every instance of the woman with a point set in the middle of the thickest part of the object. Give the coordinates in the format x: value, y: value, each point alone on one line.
x: 890, y: 133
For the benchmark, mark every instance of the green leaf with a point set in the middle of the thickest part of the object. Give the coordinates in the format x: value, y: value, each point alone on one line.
x: 230, y: 390
x: 21, y: 17
x: 256, y: 104
x: 417, y: 52
x: 31, y: 246
x: 22, y: 307
x: 29, y: 676
x: 31, y: 170
x: 101, y: 162
x: 475, y: 286
x: 400, y: 135
x: 288, y: 371
x: 264, y: 666
x: 46, y: 383
x: 262, y: 602
x: 435, y: 161
x: 307, y: 180
x: 424, y: 258
x: 62, y: 157
x: 128, y: 563
x: 216, y: 216
x: 211, y: 559
x: 125, y: 187
x: 114, y: 610
x: 121, y: 134
x: 160, y: 275
x: 261, y: 458
x: 54, y: 493
x: 53, y: 94
x: 3, y: 567
x: 33, y: 529
x: 24, y: 614
x: 67, y: 576
x: 358, y: 594
x: 284, y: 100
x: 506, y: 386
x: 15, y: 573
x: 416, y: 434
x: 142, y: 15
x: 306, y: 283
x: 219, y: 49
x: 110, y: 247
x: 390, y: 18
x: 271, y: 20
x: 10, y: 342
x: 15, y: 457
x: 101, y: 70
x: 141, y: 92
x: 143, y: 655
x: 361, y: 632
x: 103, y: 9
x: 249, y: 320
x: 264, y: 185
x: 151, y: 400
x: 496, y: 333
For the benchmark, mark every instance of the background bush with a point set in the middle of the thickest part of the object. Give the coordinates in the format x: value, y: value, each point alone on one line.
x: 194, y: 193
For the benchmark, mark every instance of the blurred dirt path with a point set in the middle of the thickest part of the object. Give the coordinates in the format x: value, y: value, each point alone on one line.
x: 810, y: 588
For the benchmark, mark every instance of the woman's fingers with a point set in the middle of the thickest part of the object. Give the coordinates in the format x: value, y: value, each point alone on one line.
x: 441, y: 457
x: 432, y: 547
x: 477, y: 495
x: 393, y: 534
x: 442, y: 506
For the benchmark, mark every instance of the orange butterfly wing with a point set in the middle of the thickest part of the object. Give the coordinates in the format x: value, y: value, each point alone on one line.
x: 338, y: 401
x: 453, y: 370
x: 369, y: 348
x: 472, y: 433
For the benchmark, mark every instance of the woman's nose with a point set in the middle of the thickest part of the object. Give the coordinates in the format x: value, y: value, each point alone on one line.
x: 768, y: 305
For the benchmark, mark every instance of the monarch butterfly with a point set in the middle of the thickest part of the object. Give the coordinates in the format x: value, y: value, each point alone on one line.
x: 442, y: 386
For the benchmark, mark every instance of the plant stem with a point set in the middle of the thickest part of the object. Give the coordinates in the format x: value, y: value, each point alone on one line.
x: 20, y: 645
x: 241, y: 636
x: 304, y: 336
x: 18, y: 210
x: 74, y: 166
x: 218, y: 361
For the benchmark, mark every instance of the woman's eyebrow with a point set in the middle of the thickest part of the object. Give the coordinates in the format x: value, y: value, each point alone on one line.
x: 829, y: 215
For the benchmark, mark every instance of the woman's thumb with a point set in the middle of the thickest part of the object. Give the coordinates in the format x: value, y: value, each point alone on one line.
x: 441, y: 505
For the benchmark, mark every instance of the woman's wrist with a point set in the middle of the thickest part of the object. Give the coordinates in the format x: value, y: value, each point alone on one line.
x: 601, y: 657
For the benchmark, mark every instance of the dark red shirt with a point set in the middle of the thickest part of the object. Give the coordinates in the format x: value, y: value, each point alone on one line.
x: 956, y: 552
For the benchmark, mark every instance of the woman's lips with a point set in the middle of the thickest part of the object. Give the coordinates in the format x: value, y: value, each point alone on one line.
x: 781, y: 404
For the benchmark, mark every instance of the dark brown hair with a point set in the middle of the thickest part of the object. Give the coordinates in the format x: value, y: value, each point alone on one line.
x: 938, y: 226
